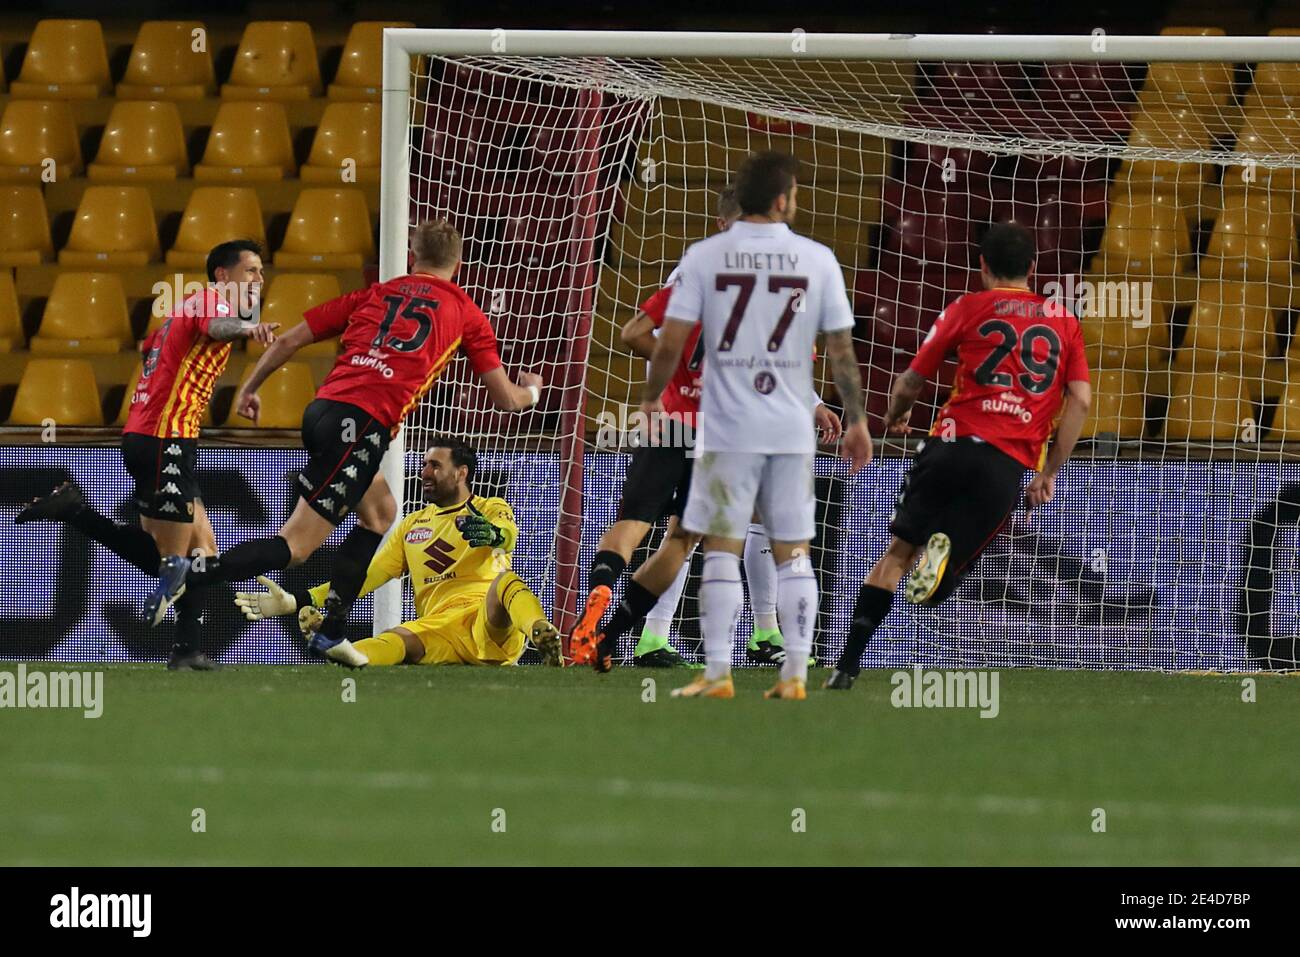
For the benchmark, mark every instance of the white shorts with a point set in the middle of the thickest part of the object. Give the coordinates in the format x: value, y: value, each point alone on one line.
x: 726, y: 487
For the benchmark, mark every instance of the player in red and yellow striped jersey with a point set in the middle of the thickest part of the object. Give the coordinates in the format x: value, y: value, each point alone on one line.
x: 182, y: 361
x: 397, y: 337
x: 471, y: 609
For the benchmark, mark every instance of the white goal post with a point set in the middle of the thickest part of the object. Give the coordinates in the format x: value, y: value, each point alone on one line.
x: 1174, y: 174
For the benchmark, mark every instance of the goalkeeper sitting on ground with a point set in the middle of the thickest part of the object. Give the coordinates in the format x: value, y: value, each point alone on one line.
x: 473, y: 610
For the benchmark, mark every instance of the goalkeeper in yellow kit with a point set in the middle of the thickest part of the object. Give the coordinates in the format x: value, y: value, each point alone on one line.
x: 473, y: 610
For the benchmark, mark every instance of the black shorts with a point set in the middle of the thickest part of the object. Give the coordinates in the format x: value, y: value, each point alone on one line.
x: 658, y: 481
x: 966, y: 489
x: 345, y: 444
x: 165, y: 484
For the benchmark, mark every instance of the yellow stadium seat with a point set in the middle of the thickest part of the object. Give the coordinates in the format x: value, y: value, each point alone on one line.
x: 24, y: 227
x: 1118, y: 405
x: 1253, y: 239
x: 1232, y: 327
x: 249, y: 142
x: 284, y: 395
x: 1276, y: 85
x: 360, y: 74
x: 1201, y: 86
x: 215, y: 214
x: 288, y: 297
x: 143, y: 140
x: 85, y: 314
x: 1167, y: 129
x: 125, y: 408
x: 276, y: 60
x: 114, y: 226
x: 65, y: 59
x: 165, y: 65
x: 347, y: 141
x: 1208, y: 405
x: 33, y: 133
x: 1146, y: 240
x: 11, y: 322
x: 328, y: 229
x: 63, y: 390
x: 1264, y: 133
x: 1122, y: 328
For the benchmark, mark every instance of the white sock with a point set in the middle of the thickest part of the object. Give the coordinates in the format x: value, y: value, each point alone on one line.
x: 797, y: 600
x: 760, y: 574
x: 721, y: 595
x: 660, y: 620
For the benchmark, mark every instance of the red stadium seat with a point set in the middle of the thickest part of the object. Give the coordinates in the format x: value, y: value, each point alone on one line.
x: 999, y: 83
x: 1091, y: 84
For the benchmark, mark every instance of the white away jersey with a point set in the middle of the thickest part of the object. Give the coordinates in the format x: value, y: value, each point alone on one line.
x: 762, y: 293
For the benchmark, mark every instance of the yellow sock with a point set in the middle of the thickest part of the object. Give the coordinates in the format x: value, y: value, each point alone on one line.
x: 385, y: 649
x: 518, y: 600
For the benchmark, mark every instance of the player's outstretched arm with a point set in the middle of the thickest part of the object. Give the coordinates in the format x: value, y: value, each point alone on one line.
x: 638, y: 334
x: 907, y: 389
x: 857, y: 446
x: 229, y: 328
x: 1078, y: 397
x: 247, y: 403
x: 509, y: 396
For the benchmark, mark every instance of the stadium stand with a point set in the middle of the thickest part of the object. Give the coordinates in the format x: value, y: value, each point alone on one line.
x: 62, y: 390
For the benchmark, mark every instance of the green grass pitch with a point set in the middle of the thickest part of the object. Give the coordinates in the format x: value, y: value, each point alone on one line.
x: 533, y: 766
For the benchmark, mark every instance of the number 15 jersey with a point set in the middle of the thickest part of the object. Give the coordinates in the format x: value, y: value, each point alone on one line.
x: 761, y: 294
x: 398, y: 336
x: 1015, y: 353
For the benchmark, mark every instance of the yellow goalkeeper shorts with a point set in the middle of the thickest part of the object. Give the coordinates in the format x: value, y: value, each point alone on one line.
x: 459, y: 633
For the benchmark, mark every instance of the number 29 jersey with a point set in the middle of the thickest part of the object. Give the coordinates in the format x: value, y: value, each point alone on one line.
x: 761, y: 294
x: 397, y: 337
x: 1015, y: 353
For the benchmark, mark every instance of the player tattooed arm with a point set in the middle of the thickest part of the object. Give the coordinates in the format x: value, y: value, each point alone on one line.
x: 907, y: 389
x: 638, y: 334
x: 228, y: 328
x: 277, y: 354
x: 848, y: 382
x: 1078, y: 396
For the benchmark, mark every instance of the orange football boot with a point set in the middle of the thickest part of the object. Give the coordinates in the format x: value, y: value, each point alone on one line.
x: 582, y: 643
x: 787, y: 689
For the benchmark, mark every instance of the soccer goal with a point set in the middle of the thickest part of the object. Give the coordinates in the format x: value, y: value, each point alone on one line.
x: 1158, y: 174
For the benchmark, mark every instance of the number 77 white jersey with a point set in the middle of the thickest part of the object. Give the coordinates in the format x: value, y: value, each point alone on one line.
x: 762, y: 294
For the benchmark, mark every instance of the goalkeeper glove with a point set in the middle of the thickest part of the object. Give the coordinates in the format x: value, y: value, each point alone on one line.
x: 479, y: 532
x: 274, y: 601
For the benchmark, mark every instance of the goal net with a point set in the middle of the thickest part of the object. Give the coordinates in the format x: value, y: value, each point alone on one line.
x: 1158, y: 175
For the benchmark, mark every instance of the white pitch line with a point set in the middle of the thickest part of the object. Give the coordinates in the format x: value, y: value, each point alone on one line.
x: 620, y: 787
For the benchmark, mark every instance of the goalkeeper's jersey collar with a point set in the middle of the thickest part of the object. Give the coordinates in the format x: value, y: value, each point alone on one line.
x: 455, y: 508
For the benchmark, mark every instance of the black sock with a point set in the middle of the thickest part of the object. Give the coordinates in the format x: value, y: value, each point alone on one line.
x: 637, y: 600
x: 348, y: 574
x: 303, y: 598
x: 245, y: 560
x: 189, y: 619
x: 869, y: 611
x: 605, y: 569
x: 131, y: 543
